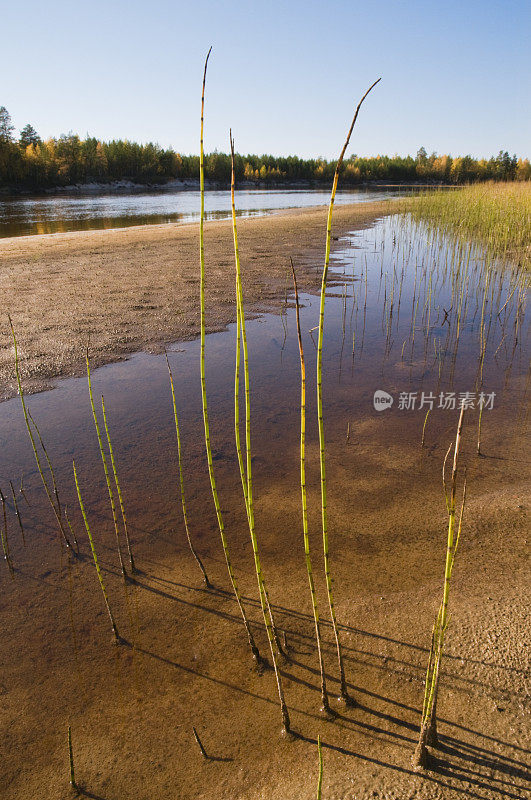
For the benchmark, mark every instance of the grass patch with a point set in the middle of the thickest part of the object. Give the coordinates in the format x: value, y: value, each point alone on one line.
x: 497, y: 215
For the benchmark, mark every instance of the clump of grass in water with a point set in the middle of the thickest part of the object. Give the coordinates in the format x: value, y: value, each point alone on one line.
x: 95, y: 557
x: 246, y: 478
x: 325, y: 705
x: 181, y: 481
x: 252, y: 644
x: 27, y: 418
x: 495, y: 214
x: 344, y: 696
x: 428, y: 726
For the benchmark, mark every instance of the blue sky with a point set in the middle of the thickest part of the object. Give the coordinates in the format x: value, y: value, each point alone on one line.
x: 284, y: 75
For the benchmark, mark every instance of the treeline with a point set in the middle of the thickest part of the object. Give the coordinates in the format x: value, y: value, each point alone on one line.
x: 28, y: 162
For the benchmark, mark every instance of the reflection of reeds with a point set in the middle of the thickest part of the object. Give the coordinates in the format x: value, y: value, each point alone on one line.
x: 208, y: 446
x: 95, y: 557
x: 304, y: 502
x: 428, y: 727
x: 246, y: 475
x: 324, y: 516
x: 181, y: 481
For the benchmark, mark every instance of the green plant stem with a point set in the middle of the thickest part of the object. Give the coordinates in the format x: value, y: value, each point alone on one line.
x: 264, y: 599
x: 34, y: 446
x: 252, y: 644
x: 428, y: 727
x: 17, y: 512
x: 304, y: 503
x: 424, y: 427
x: 118, y: 489
x: 105, y: 469
x: 181, y: 481
x: 320, y: 779
x: 324, y: 517
x: 94, y: 556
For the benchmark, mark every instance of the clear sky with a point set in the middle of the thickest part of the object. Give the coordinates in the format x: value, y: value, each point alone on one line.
x: 284, y: 75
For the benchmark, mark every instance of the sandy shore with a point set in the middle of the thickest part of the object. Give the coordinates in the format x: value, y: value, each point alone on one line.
x: 137, y: 288
x: 184, y: 660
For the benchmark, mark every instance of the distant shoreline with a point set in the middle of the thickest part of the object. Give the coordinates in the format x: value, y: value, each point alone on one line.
x: 94, y: 189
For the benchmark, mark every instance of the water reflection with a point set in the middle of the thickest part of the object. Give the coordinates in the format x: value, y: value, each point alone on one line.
x: 59, y: 214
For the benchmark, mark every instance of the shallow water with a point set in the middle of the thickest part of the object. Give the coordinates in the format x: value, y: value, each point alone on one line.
x: 23, y: 216
x: 391, y: 325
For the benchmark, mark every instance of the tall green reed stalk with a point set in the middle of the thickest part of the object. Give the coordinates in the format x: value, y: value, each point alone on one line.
x: 304, y: 502
x: 95, y: 557
x: 118, y: 489
x: 324, y: 516
x: 221, y: 525
x: 105, y: 469
x: 181, y: 481
x: 245, y: 473
x: 428, y: 726
x: 27, y: 418
x: 246, y: 478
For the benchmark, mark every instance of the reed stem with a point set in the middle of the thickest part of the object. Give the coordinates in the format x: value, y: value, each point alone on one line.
x: 252, y: 644
x: 17, y: 512
x: 320, y: 779
x: 34, y: 446
x: 118, y: 489
x: 200, y: 744
x: 105, y: 469
x: 304, y: 502
x: 343, y: 684
x: 181, y: 481
x: 247, y: 481
x: 95, y: 557
x: 428, y: 727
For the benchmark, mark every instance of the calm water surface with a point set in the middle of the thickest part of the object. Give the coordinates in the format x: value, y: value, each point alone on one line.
x: 23, y: 216
x: 405, y: 315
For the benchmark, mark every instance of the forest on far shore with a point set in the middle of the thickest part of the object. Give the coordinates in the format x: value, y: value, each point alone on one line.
x: 30, y: 163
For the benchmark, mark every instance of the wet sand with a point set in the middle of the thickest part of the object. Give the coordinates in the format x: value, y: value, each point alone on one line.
x: 126, y: 290
x: 185, y: 659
